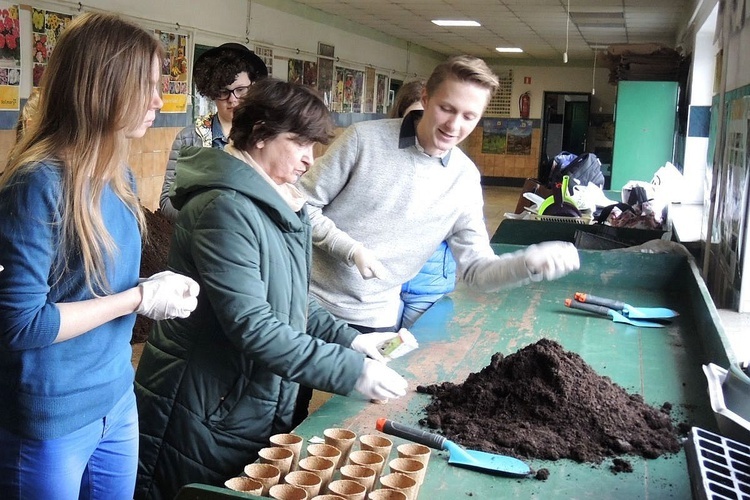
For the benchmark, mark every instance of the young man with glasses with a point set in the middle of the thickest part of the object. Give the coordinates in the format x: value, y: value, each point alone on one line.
x: 223, y: 74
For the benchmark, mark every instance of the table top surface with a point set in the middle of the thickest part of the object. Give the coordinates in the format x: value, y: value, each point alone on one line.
x: 461, y: 332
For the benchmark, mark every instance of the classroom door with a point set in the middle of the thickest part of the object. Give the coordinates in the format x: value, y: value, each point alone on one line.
x: 645, y: 117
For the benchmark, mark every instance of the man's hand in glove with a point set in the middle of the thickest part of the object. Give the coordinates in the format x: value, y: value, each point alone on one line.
x: 551, y: 260
x: 380, y: 382
x: 369, y: 266
x: 367, y: 343
x: 168, y: 295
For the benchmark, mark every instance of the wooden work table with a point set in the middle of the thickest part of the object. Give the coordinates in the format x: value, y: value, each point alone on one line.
x: 461, y: 332
x: 459, y: 335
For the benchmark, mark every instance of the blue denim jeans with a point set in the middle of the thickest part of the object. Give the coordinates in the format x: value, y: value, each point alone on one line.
x: 98, y: 461
x: 414, y: 305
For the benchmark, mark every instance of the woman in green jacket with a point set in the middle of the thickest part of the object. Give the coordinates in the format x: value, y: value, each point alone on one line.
x: 214, y: 387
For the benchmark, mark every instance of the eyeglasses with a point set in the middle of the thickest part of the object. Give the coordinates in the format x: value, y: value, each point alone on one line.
x: 238, y: 92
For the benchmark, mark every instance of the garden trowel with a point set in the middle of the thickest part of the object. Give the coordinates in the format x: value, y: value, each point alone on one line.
x: 627, y: 309
x: 472, y: 459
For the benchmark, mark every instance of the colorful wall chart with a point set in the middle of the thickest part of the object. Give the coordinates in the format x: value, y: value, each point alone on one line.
x: 174, y: 72
x: 46, y: 28
x: 10, y: 57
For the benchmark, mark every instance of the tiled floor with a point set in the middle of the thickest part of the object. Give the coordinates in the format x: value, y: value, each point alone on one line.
x: 497, y: 201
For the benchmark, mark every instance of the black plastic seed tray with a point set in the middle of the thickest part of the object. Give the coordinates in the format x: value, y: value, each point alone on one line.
x: 719, y: 467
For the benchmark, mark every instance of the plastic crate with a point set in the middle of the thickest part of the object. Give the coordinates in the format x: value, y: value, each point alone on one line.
x: 719, y: 467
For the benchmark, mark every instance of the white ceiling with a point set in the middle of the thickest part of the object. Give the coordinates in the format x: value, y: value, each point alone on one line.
x: 539, y: 27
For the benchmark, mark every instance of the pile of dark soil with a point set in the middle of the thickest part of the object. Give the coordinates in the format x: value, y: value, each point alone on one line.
x: 543, y: 402
x: 154, y: 252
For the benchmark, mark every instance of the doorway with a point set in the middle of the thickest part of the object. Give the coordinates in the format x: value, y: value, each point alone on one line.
x: 565, y: 126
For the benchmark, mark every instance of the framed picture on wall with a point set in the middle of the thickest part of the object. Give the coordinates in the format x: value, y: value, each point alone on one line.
x: 266, y: 54
x: 369, y: 90
x: 325, y: 70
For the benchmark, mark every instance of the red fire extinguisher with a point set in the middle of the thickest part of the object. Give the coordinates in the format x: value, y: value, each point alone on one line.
x: 524, y: 104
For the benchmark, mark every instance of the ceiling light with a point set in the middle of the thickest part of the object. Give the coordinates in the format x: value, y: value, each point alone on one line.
x: 454, y: 22
x: 508, y: 49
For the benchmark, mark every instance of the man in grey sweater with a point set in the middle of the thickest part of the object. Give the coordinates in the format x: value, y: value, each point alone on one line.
x: 388, y: 192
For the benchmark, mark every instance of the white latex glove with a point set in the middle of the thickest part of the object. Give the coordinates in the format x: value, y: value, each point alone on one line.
x: 551, y: 260
x: 380, y: 382
x: 367, y: 343
x: 168, y: 295
x: 369, y: 266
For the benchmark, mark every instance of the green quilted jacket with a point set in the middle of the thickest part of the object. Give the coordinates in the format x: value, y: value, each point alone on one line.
x: 214, y: 386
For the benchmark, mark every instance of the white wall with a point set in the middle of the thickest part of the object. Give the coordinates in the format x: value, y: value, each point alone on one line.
x: 282, y: 25
x: 287, y: 27
x: 269, y: 25
x: 738, y: 62
x: 701, y: 94
x: 560, y: 79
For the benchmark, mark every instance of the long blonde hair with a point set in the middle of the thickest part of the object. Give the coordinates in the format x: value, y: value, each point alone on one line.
x: 96, y: 87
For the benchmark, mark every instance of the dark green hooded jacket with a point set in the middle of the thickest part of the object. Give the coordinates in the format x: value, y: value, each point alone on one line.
x: 214, y: 386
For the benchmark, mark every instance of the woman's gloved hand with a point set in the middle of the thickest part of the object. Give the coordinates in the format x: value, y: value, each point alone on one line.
x: 367, y: 343
x: 369, y: 266
x: 551, y: 260
x: 378, y: 381
x: 168, y: 295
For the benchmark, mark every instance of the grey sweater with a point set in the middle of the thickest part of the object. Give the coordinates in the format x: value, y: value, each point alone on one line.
x: 374, y: 187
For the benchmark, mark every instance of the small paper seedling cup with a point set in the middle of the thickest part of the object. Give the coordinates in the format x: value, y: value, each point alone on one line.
x: 379, y: 444
x: 266, y: 474
x: 409, y: 467
x: 400, y: 482
x: 278, y: 456
x: 321, y: 466
x: 308, y: 481
x: 342, y: 439
x: 415, y: 451
x: 348, y: 489
x: 386, y: 494
x: 368, y: 459
x: 291, y: 441
x: 359, y: 473
x: 245, y: 485
x: 325, y: 450
x: 287, y: 492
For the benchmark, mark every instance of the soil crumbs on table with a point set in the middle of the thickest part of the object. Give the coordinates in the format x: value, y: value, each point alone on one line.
x: 544, y: 402
x: 154, y: 252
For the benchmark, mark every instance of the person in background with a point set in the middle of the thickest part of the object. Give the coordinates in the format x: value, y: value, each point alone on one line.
x: 386, y: 193
x: 223, y: 74
x: 438, y: 275
x: 408, y: 98
x: 213, y: 388
x: 26, y: 114
x: 71, y: 246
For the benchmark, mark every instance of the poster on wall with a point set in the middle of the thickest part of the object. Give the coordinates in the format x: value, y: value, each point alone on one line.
x: 310, y: 74
x: 358, y: 91
x: 266, y: 55
x: 10, y: 57
x: 325, y: 70
x: 519, y: 137
x: 337, y: 103
x: 294, y: 71
x: 174, y: 72
x: 732, y: 203
x: 510, y: 136
x: 46, y: 28
x: 369, y: 90
x: 494, y: 136
x: 381, y: 94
